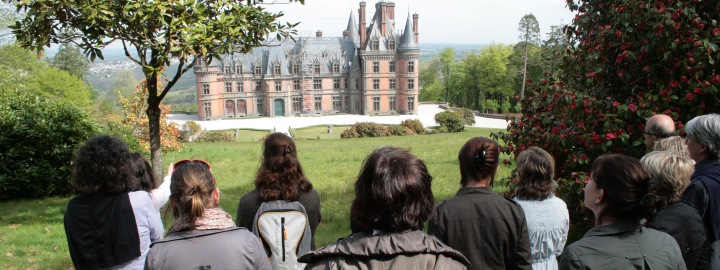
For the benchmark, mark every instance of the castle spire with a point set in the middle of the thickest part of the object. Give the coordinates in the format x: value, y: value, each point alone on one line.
x: 352, y: 29
x: 408, y: 41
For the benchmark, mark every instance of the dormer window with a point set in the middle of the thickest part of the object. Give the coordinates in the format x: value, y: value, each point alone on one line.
x: 295, y: 69
x: 375, y: 45
x: 238, y: 69
x: 277, y: 69
x: 317, y: 68
x: 391, y: 45
x: 336, y: 68
x: 257, y: 70
x: 227, y: 69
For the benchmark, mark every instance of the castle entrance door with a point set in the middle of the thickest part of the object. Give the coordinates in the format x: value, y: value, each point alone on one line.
x: 279, y: 107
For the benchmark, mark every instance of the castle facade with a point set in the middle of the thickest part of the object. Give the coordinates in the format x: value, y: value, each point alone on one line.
x: 372, y: 70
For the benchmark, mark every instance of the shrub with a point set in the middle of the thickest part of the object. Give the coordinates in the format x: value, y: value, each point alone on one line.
x: 490, y: 105
x: 190, y: 130
x: 627, y: 62
x: 451, y: 121
x: 218, y: 136
x: 398, y: 130
x: 125, y: 133
x: 505, y: 106
x: 468, y: 116
x: 349, y: 133
x: 369, y: 129
x: 415, y: 125
x: 37, y: 142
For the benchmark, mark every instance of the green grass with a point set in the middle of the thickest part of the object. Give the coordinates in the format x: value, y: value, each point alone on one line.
x: 32, y: 234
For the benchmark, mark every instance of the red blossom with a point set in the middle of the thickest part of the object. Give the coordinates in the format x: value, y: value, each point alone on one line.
x: 596, y: 138
x: 632, y: 107
x: 689, y: 96
x: 698, y: 91
x: 563, y: 126
x: 610, y: 136
x: 615, y: 103
x: 715, y: 79
x: 583, y: 156
x: 581, y: 124
x: 674, y: 84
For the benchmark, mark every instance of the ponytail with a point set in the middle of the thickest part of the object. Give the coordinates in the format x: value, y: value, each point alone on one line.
x: 191, y: 189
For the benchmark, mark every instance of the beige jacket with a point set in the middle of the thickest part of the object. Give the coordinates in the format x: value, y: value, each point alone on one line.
x: 406, y: 250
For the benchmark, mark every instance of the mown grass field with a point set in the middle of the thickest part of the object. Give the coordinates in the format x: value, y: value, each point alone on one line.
x: 32, y: 234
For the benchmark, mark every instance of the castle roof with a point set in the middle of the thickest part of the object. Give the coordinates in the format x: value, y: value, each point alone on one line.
x: 408, y: 41
x: 352, y: 28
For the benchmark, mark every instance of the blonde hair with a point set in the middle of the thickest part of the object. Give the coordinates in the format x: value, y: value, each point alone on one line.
x: 191, y: 190
x: 673, y: 144
x: 670, y: 174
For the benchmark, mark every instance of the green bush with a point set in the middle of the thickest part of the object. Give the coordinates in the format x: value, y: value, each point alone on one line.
x: 190, y: 129
x: 398, y: 130
x: 349, y: 133
x: 505, y: 106
x: 415, y: 125
x: 451, y: 121
x: 125, y: 133
x: 490, y: 105
x: 216, y: 137
x: 365, y: 129
x: 467, y: 114
x: 37, y: 142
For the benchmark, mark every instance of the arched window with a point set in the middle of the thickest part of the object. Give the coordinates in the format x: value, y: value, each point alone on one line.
x: 229, y: 107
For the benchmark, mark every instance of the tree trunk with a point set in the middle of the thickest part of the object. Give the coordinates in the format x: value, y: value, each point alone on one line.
x: 153, y: 113
x: 522, y: 89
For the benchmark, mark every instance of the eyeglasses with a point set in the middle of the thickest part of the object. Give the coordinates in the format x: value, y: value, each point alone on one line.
x: 175, y: 166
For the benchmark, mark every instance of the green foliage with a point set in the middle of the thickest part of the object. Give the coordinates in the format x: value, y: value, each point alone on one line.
x: 481, y: 76
x: 467, y: 114
x: 124, y: 132
x: 37, y: 142
x: 490, y: 105
x: 69, y: 58
x: 450, y: 121
x: 365, y: 129
x: 505, y: 106
x: 22, y: 71
x: 415, y: 125
x: 215, y: 137
x: 398, y: 130
x: 629, y: 60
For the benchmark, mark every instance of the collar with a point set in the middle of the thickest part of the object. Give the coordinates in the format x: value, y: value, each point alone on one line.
x: 474, y: 190
x: 618, y: 227
x: 708, y: 162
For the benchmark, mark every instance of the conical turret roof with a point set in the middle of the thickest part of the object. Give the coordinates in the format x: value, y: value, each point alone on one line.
x: 408, y: 37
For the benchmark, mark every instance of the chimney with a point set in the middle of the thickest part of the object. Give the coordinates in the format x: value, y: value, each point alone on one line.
x: 363, y: 29
x: 318, y: 34
x: 415, y: 27
x: 383, y: 17
x: 346, y: 34
x: 391, y: 12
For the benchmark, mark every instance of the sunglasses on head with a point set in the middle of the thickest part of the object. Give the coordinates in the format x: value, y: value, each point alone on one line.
x: 175, y: 166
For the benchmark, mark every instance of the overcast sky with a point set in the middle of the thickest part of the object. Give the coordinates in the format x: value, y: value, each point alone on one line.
x: 448, y: 21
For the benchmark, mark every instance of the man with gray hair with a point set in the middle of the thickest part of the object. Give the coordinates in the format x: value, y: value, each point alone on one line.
x: 703, y: 143
x: 658, y: 127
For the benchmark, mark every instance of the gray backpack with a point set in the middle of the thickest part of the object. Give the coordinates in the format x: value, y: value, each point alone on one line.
x: 284, y: 230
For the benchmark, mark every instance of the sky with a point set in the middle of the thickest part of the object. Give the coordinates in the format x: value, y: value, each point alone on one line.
x: 448, y: 21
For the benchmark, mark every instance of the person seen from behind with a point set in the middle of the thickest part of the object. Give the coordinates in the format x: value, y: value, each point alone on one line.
x: 112, y: 221
x: 547, y: 216
x: 670, y: 176
x: 393, y: 198
x: 491, y: 231
x: 203, y: 236
x: 144, y: 175
x: 618, y: 194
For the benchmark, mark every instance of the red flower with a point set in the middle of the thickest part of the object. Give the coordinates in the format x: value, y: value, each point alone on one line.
x: 555, y: 130
x: 698, y: 91
x: 572, y: 105
x: 563, y: 126
x: 596, y: 138
x: 632, y: 107
x: 689, y: 96
x: 581, y: 124
x: 715, y: 79
x: 610, y: 136
x: 677, y: 25
x: 583, y: 156
x: 674, y: 84
x: 615, y: 103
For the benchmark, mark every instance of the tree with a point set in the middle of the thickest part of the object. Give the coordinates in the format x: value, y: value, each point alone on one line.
x: 152, y: 33
x: 626, y: 61
x: 134, y: 117
x: 529, y: 34
x: 22, y: 71
x: 69, y: 58
x: 554, y: 47
x: 447, y: 58
x: 8, y: 15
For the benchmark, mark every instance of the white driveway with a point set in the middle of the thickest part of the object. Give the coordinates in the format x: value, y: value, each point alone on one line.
x: 426, y: 114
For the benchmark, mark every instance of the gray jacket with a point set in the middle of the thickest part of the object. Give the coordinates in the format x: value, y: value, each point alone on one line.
x: 235, y: 248
x: 413, y: 250
x: 623, y: 245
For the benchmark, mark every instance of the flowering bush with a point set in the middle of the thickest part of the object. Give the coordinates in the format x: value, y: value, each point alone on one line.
x: 630, y: 60
x: 134, y: 108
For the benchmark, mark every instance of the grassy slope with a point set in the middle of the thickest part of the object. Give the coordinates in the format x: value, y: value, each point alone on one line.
x: 32, y: 234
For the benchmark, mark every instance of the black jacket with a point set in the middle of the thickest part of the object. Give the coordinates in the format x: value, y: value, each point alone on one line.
x: 682, y: 222
x: 488, y: 229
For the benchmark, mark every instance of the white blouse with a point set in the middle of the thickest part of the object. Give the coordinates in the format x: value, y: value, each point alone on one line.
x: 548, y: 223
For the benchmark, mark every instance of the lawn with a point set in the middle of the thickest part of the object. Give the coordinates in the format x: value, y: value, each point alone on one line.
x: 32, y: 234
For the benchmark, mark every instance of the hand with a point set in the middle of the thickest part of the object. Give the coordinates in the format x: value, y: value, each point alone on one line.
x: 170, y: 168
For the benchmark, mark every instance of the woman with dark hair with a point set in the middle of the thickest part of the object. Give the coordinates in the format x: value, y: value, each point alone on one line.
x: 108, y: 224
x: 393, y: 198
x: 670, y: 176
x: 547, y: 216
x: 618, y: 194
x: 203, y: 236
x: 280, y: 177
x: 144, y: 177
x: 485, y: 227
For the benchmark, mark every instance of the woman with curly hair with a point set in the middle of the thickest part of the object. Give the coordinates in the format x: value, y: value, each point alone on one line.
x: 111, y: 222
x: 280, y: 177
